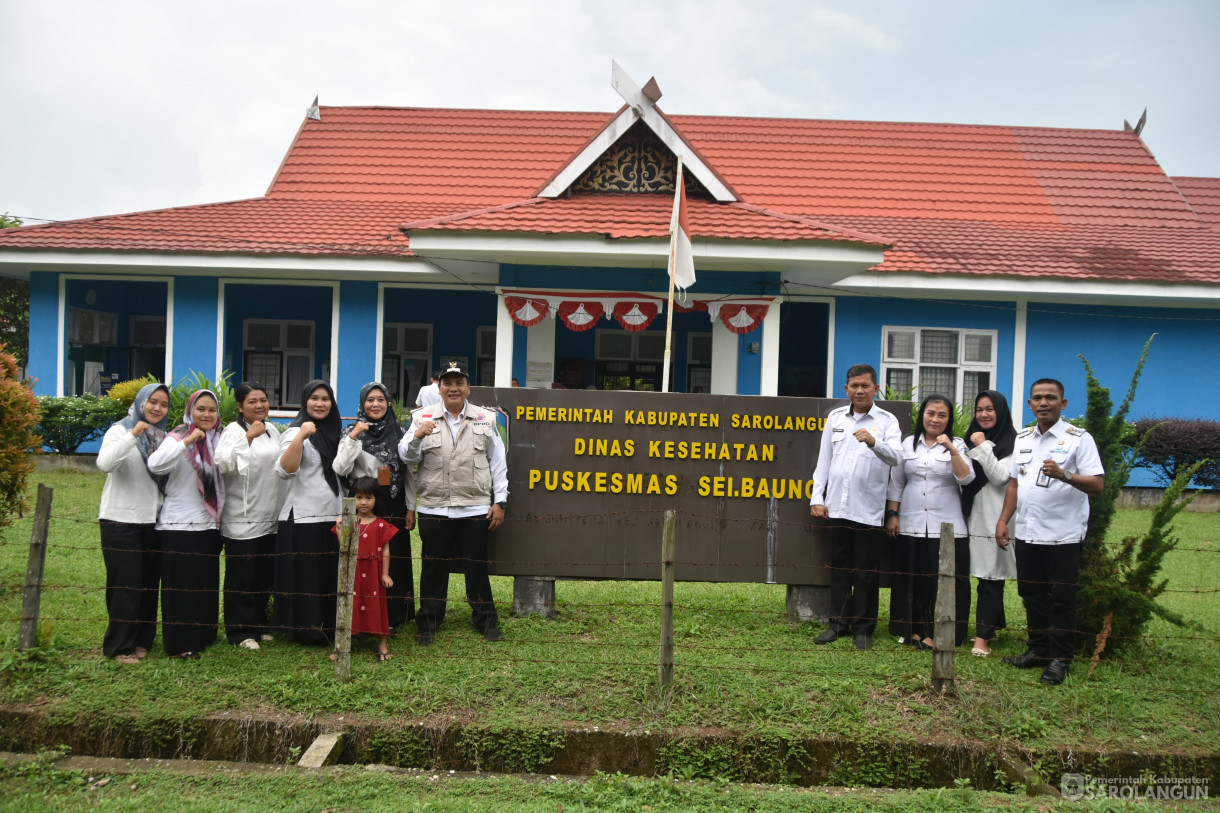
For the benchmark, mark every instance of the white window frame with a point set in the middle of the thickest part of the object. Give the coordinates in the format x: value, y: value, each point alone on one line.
x: 961, y: 366
x: 398, y: 357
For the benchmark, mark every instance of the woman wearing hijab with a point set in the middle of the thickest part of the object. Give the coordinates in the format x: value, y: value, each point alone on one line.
x: 924, y: 493
x: 246, y: 456
x: 990, y: 440
x: 127, y: 517
x: 370, y: 449
x: 307, y: 553
x: 188, y: 528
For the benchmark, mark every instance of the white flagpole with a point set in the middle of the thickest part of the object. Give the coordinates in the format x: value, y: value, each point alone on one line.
x: 669, y: 314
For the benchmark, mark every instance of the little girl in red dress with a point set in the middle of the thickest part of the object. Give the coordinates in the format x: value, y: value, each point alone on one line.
x: 369, y: 613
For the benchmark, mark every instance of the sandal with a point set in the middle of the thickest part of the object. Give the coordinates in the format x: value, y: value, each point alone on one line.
x: 126, y: 660
x: 979, y: 652
x: 384, y: 656
x: 140, y: 652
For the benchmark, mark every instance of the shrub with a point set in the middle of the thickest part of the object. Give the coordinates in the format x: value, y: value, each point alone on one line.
x: 18, y: 418
x: 68, y: 422
x: 125, y: 391
x: 1173, y: 445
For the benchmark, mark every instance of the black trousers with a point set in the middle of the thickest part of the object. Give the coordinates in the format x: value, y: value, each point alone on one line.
x: 989, y: 616
x: 855, y: 562
x: 306, y: 581
x: 190, y: 589
x: 248, y: 576
x: 926, y: 580
x: 133, y: 574
x: 400, y: 599
x: 454, y: 546
x: 902, y: 597
x: 1048, y: 577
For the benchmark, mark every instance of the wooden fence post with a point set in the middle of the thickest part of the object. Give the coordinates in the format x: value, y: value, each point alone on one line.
x: 946, y: 608
x: 349, y: 546
x: 27, y: 634
x: 666, y: 670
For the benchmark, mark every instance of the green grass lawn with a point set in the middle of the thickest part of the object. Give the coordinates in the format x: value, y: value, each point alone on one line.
x: 739, y: 664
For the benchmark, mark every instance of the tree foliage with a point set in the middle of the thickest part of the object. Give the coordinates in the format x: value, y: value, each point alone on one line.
x: 181, y: 392
x: 15, y: 308
x: 18, y: 420
x: 1120, y: 584
x: 1173, y: 445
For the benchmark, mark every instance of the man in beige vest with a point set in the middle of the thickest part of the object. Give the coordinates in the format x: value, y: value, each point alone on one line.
x: 462, y: 483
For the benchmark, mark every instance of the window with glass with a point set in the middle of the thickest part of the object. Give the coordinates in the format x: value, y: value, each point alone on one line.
x: 921, y: 361
x: 279, y: 354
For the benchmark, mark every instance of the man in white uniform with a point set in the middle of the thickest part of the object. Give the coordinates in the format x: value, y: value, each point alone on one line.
x: 860, y: 443
x: 1055, y: 467
x: 430, y: 394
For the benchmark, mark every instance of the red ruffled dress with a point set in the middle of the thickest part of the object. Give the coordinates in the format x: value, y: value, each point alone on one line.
x: 369, y: 613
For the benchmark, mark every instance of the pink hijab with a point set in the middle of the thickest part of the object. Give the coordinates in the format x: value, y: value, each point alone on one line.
x: 201, y: 454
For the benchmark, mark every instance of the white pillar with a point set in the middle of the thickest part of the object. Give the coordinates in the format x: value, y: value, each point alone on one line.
x: 724, y: 359
x: 540, y: 354
x: 1020, y: 332
x: 769, y: 383
x: 504, y: 343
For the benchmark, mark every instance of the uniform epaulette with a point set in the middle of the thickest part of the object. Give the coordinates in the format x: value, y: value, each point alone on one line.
x: 1026, y: 432
x: 417, y: 409
x: 1075, y: 430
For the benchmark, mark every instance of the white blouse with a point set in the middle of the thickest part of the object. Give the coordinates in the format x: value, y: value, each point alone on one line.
x: 353, y: 461
x: 253, y: 493
x: 927, y: 489
x: 130, y: 494
x: 183, y: 508
x: 309, y: 498
x: 987, y: 560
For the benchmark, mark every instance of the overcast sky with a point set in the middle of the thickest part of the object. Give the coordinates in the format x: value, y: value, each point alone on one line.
x: 113, y: 107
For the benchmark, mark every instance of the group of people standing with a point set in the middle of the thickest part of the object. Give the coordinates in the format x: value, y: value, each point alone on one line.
x: 870, y: 481
x: 270, y: 500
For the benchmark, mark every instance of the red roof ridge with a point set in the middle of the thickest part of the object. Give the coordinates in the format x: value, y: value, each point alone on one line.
x: 460, y: 216
x: 88, y: 220
x: 809, y: 221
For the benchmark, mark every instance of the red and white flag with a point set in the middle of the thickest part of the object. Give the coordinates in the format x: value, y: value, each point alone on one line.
x: 681, y: 258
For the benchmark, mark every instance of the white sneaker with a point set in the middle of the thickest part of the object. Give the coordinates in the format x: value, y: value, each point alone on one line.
x: 249, y: 643
x: 265, y: 637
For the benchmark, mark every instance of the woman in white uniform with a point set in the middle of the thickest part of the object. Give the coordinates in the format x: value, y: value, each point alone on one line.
x: 306, y: 552
x: 127, y: 518
x: 990, y: 440
x: 188, y: 528
x: 246, y: 456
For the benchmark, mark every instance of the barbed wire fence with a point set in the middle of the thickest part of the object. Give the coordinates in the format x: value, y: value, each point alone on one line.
x: 943, y: 675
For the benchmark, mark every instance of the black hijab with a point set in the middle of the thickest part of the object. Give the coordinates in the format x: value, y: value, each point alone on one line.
x: 326, y: 439
x: 1003, y: 435
x: 382, y: 437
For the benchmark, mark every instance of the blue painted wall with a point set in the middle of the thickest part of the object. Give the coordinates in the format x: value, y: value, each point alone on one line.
x: 358, y: 363
x: 859, y: 320
x: 296, y: 302
x: 195, y: 300
x: 44, y: 361
x: 455, y: 317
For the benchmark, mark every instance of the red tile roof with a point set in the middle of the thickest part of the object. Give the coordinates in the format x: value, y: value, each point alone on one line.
x: 620, y: 216
x: 1090, y: 204
x: 1203, y: 195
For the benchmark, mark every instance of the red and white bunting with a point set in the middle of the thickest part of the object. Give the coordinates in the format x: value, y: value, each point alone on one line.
x: 526, y: 312
x: 581, y: 315
x: 635, y: 315
x: 739, y: 317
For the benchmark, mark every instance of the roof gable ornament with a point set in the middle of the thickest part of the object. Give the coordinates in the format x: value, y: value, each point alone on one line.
x: 641, y: 107
x: 1139, y: 125
x: 314, y: 112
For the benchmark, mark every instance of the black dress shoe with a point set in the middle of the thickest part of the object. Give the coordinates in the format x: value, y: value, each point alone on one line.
x: 920, y: 645
x: 424, y: 638
x: 493, y: 634
x: 1026, y: 660
x: 863, y: 641
x: 826, y: 637
x: 1055, y: 672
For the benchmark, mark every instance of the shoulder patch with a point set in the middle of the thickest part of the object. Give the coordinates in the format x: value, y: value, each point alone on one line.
x: 1026, y: 432
x: 1075, y: 430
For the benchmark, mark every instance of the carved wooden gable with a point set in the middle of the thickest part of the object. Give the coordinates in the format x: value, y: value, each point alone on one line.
x: 636, y: 162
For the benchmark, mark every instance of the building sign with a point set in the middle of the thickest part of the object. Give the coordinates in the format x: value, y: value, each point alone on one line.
x: 592, y: 473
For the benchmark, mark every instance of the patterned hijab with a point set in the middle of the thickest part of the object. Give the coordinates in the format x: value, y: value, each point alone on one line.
x: 1003, y: 435
x: 382, y: 437
x: 150, y: 439
x: 326, y: 439
x: 201, y: 453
